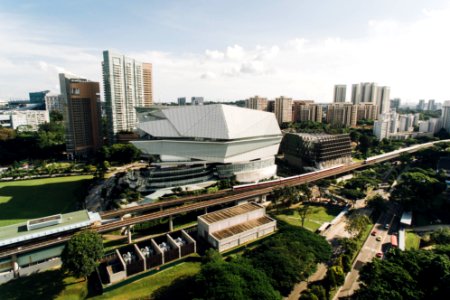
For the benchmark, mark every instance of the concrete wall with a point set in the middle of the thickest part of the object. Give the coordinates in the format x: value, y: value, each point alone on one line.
x: 6, y: 276
x: 40, y: 267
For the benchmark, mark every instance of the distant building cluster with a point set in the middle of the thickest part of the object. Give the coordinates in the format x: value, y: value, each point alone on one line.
x: 402, y: 126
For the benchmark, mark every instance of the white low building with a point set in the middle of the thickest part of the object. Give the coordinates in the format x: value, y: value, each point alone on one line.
x: 28, y: 120
x: 240, y: 142
x: 231, y: 227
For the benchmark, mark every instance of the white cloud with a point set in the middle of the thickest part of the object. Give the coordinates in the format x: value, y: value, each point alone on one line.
x: 214, y: 54
x: 411, y: 57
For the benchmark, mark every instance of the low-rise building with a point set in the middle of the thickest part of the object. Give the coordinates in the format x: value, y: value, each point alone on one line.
x: 316, y: 150
x: 231, y: 227
x: 29, y: 120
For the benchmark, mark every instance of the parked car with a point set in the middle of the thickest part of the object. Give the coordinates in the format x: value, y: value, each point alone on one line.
x: 374, y: 233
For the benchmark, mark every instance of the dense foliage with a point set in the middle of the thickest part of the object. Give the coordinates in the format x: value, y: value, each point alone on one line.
x: 47, y: 143
x: 82, y: 253
x: 417, y: 189
x: 406, y: 275
x: 119, y: 153
x: 290, y: 256
x: 236, y: 279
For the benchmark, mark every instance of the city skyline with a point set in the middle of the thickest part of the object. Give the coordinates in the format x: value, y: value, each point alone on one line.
x: 229, y: 51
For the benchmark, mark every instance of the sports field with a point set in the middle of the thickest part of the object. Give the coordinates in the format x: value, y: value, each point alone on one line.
x: 28, y: 199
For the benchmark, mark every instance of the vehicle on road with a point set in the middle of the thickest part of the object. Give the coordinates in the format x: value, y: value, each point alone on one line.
x: 394, y: 241
x: 378, y: 239
x: 379, y: 255
x: 374, y: 233
x: 386, y: 226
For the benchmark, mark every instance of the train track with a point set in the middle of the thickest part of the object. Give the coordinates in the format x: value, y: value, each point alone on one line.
x: 222, y: 198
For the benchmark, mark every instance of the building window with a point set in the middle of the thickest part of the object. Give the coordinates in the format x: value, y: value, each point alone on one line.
x: 75, y: 91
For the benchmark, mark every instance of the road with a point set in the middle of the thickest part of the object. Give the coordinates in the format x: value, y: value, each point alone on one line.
x: 335, y: 231
x: 369, y: 249
x: 244, y: 192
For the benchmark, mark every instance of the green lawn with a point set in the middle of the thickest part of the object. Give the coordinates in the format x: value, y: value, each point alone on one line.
x: 412, y: 241
x: 318, y: 216
x: 147, y: 286
x: 45, y: 285
x: 28, y: 199
x: 55, y: 285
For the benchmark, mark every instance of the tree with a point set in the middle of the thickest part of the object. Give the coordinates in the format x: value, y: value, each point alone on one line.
x: 236, y: 279
x: 124, y: 153
x: 304, y: 211
x: 56, y: 116
x: 356, y: 223
x: 417, y: 189
x: 289, y: 257
x: 365, y: 142
x: 82, y: 252
x: 418, y: 274
x: 377, y: 202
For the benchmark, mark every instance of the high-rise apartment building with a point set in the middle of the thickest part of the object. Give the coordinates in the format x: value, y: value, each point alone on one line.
x: 197, y: 100
x: 344, y: 114
x: 283, y: 109
x: 431, y: 105
x: 306, y: 110
x: 127, y: 85
x: 82, y: 115
x: 258, y: 103
x: 382, y: 97
x: 421, y: 105
x: 364, y: 92
x: 366, y: 111
x: 339, y: 93
x: 147, y: 75
x: 445, y: 115
x: 395, y: 103
x: 181, y: 101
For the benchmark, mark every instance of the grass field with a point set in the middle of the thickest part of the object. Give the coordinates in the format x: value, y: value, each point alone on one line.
x: 318, y: 216
x: 149, y: 285
x: 27, y: 199
x: 412, y: 241
x: 54, y: 285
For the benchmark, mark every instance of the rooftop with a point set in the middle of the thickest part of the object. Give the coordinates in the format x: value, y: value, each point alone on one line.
x: 233, y: 230
x: 216, y: 121
x: 229, y: 212
x: 318, y: 136
x: 406, y: 218
x: 18, y: 232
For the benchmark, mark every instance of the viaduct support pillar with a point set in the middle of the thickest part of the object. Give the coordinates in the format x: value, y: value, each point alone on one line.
x: 129, y: 234
x: 170, y: 223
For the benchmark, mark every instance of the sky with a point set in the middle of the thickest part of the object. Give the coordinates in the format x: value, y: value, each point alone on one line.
x: 231, y: 50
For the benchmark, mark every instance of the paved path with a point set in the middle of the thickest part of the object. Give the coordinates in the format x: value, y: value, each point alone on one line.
x: 301, y: 286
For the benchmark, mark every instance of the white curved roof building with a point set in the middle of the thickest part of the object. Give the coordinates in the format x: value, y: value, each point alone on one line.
x: 243, y: 142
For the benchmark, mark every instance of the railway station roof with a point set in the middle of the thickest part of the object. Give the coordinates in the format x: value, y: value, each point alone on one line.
x: 18, y: 232
x: 227, y: 213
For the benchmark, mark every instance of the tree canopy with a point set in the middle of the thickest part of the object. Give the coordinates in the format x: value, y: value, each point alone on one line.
x: 417, y: 274
x: 82, y: 253
x: 289, y: 257
x: 417, y: 188
x: 236, y: 279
